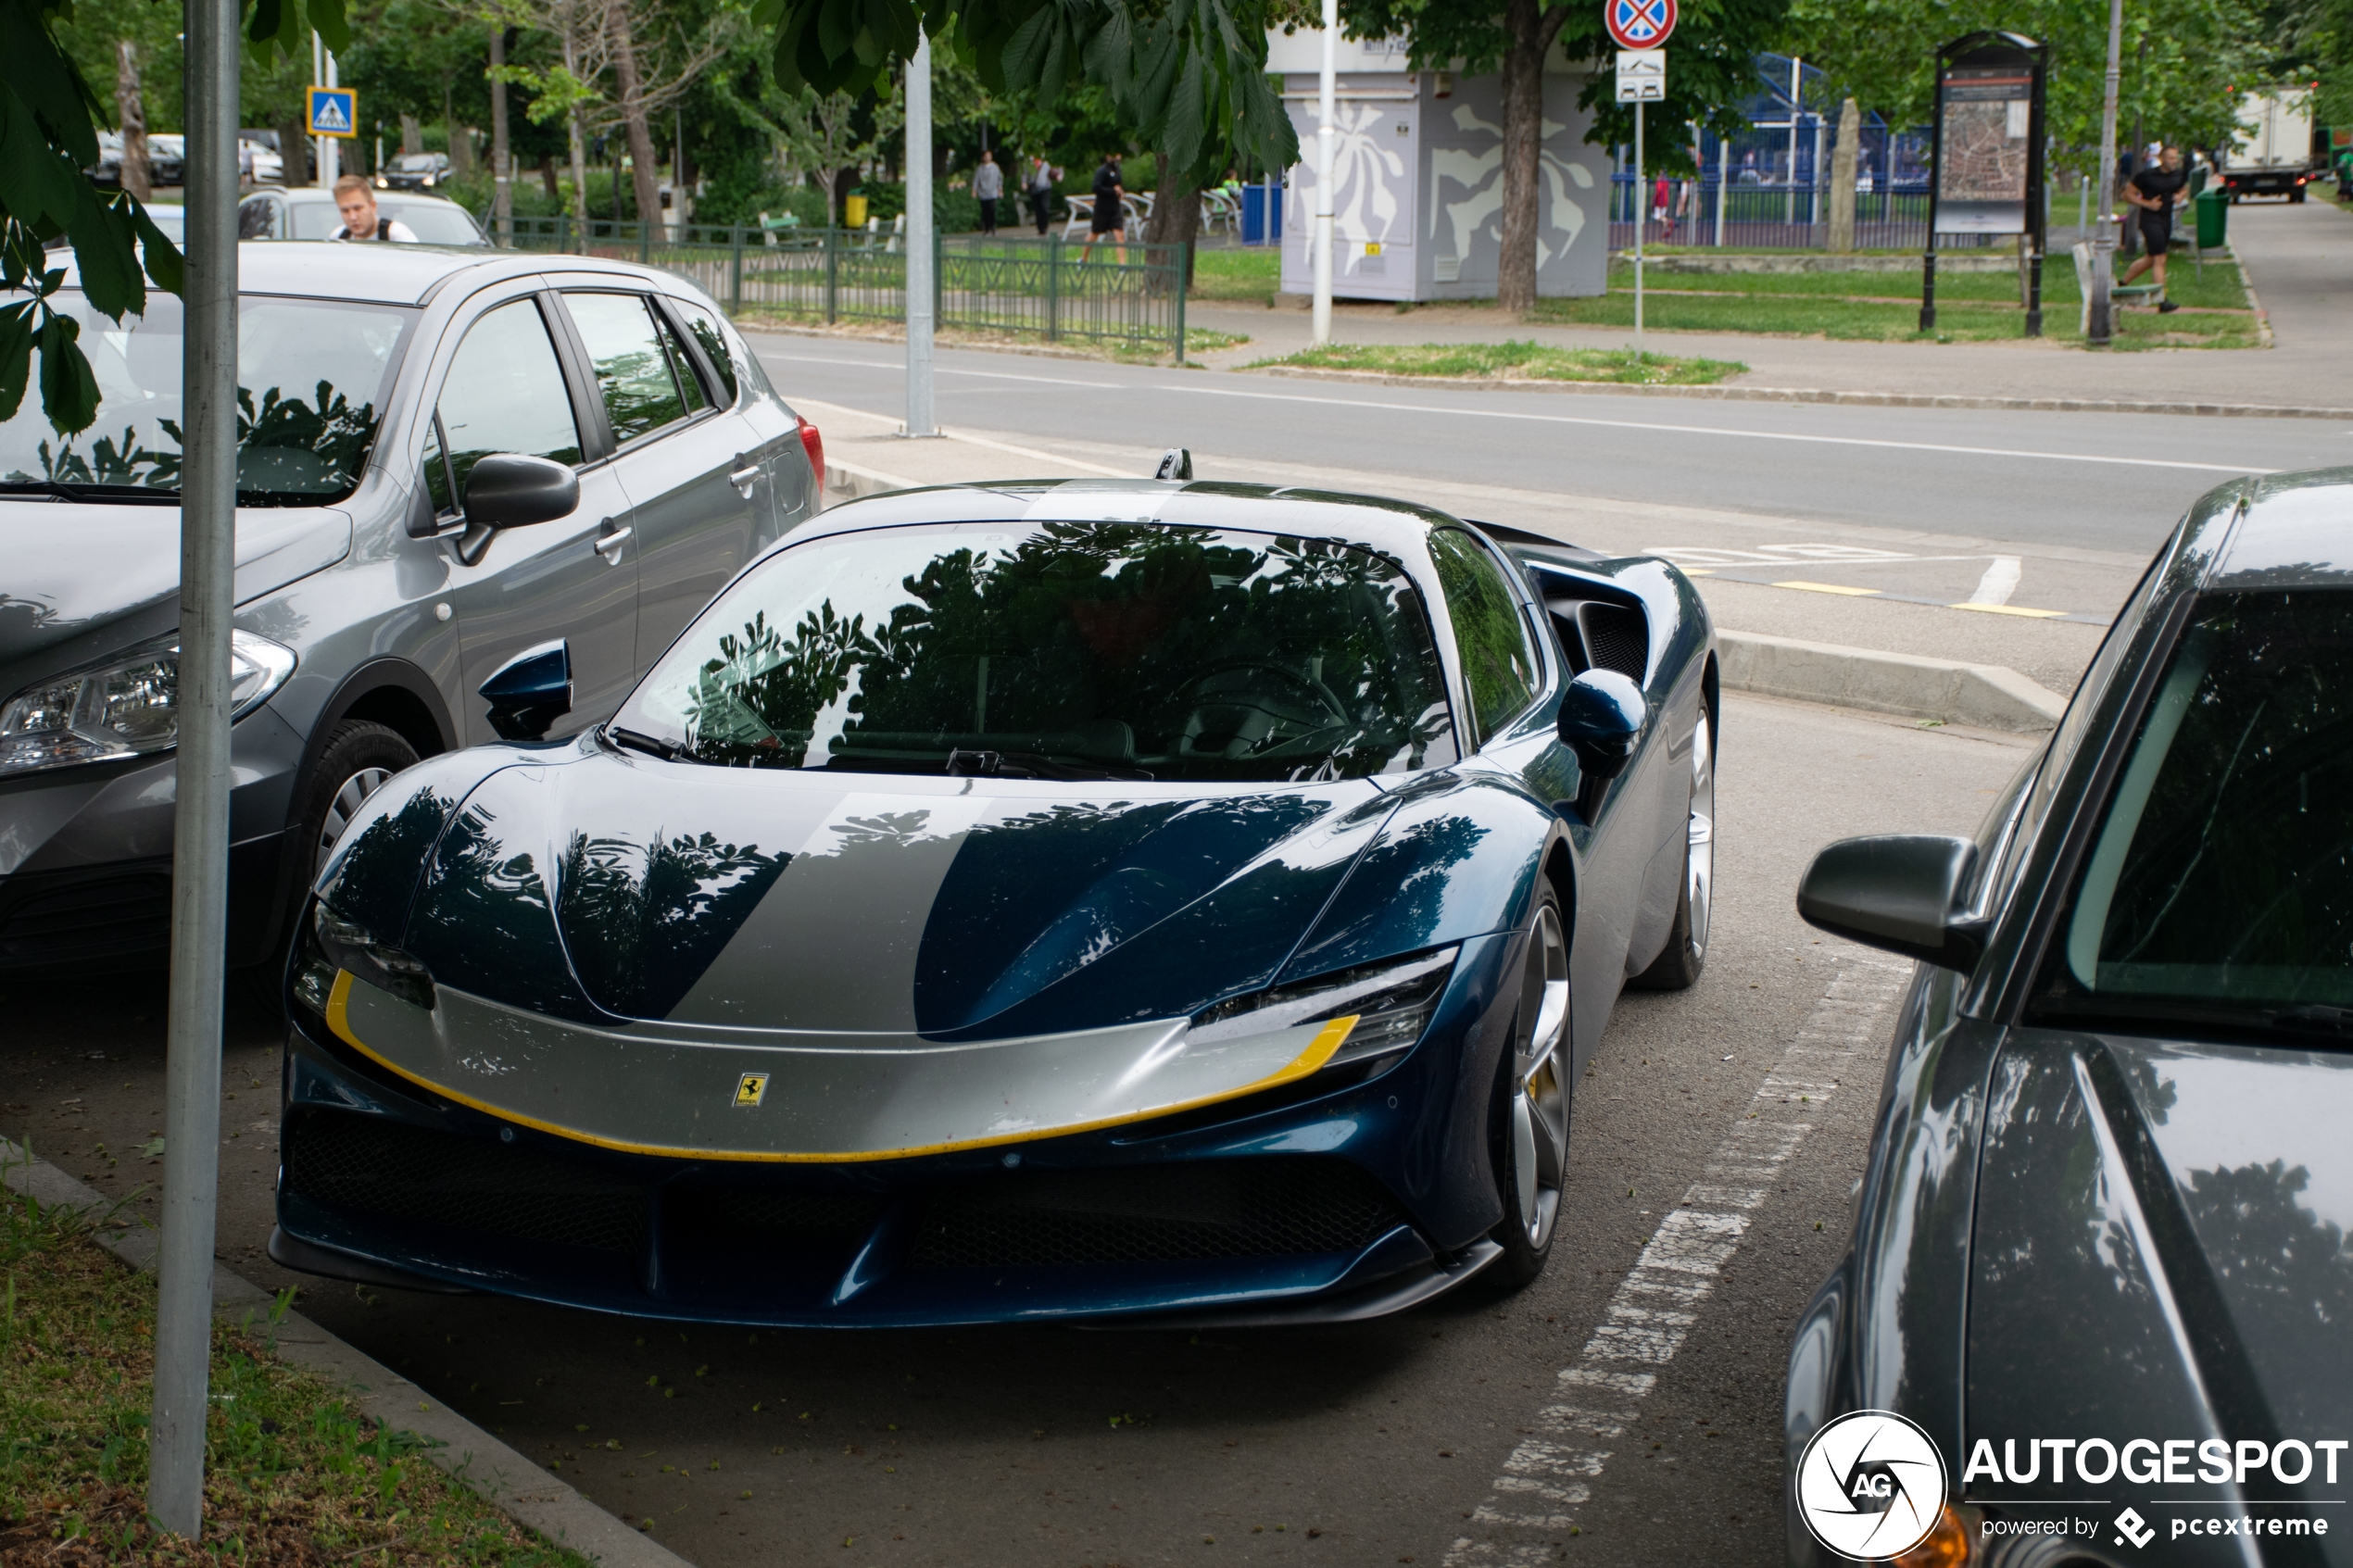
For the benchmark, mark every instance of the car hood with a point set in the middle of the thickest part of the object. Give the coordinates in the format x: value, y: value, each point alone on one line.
x: 865, y: 904
x: 71, y: 566
x: 2160, y: 1245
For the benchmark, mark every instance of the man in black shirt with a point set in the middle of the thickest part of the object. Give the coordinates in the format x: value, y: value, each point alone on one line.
x: 2157, y: 192
x: 1110, y: 210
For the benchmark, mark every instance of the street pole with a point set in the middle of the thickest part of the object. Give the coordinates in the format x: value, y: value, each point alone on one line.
x: 2102, y: 325
x: 200, y: 807
x: 1326, y: 132
x: 1641, y: 222
x: 502, y: 198
x: 919, y: 242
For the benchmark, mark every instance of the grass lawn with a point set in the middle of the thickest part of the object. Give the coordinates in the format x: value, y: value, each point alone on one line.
x: 1884, y: 307
x: 1249, y: 275
x: 1514, y: 361
x: 292, y: 1476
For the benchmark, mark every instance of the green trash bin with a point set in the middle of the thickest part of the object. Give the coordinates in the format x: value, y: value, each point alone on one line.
x: 2213, y: 216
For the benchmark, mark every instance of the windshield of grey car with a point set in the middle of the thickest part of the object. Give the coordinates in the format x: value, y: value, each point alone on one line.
x: 433, y: 223
x: 2220, y: 883
x: 312, y: 376
x: 1057, y: 651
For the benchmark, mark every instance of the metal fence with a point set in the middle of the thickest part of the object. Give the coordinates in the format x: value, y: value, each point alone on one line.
x: 1124, y: 295
x: 1762, y: 215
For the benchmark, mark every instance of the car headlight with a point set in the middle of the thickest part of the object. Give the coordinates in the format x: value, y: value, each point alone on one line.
x: 332, y: 943
x: 1393, y: 1001
x: 428, y: 178
x: 126, y: 704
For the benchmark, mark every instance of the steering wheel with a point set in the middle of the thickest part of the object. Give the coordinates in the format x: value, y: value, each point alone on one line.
x: 1260, y: 717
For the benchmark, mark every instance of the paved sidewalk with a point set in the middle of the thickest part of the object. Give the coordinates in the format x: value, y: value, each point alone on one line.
x: 2299, y: 258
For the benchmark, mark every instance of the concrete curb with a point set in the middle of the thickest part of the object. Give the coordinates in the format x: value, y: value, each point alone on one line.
x: 1988, y: 697
x: 848, y: 482
x: 496, y: 1472
x: 1804, y: 395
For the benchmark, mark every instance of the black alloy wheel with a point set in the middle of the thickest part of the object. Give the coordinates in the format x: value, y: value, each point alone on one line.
x: 1529, y: 1121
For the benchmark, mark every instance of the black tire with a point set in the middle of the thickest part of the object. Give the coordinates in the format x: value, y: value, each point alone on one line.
x: 1529, y: 1115
x: 1679, y: 963
x: 2297, y: 196
x: 359, y: 757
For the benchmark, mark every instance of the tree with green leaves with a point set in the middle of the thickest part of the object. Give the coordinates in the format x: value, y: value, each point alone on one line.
x: 1714, y: 44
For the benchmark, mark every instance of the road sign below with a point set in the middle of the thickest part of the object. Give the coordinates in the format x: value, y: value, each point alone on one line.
x: 1642, y: 76
x: 334, y: 111
x: 1639, y: 24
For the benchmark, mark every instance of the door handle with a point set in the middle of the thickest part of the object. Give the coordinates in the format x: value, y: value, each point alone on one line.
x: 744, y: 478
x: 608, y: 545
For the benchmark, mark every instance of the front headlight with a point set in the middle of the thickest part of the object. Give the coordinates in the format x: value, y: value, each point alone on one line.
x: 127, y: 705
x: 333, y: 943
x: 1393, y: 1001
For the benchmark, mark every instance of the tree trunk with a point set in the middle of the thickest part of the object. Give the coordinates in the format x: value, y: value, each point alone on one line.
x: 134, y: 114
x: 413, y: 135
x: 294, y: 150
x: 1176, y: 220
x: 1528, y: 33
x: 462, y: 150
x: 547, y: 177
x: 1850, y: 133
x: 633, y: 116
x: 502, y: 200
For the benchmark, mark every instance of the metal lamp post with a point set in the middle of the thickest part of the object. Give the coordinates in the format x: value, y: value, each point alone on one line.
x: 920, y: 254
x: 1326, y: 132
x: 2102, y: 325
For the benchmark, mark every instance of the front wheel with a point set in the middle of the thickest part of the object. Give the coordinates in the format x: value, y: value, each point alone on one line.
x: 1679, y: 963
x: 1529, y: 1121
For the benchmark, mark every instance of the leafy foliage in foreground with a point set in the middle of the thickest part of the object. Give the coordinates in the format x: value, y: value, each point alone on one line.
x: 294, y: 1478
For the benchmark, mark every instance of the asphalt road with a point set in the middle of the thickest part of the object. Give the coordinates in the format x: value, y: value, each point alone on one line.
x: 1479, y: 1429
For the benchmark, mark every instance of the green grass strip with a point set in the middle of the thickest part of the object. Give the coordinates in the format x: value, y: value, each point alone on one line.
x: 1514, y: 361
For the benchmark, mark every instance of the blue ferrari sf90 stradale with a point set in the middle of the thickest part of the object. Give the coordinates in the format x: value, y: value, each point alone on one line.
x: 1150, y: 900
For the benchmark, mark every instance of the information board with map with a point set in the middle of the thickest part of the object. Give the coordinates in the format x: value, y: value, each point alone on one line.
x: 1986, y: 158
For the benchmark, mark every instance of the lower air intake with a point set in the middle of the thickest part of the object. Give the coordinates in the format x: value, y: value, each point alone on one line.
x: 1167, y: 1213
x: 370, y: 1165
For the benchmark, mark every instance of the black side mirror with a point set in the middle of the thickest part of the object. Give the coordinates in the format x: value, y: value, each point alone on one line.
x: 1601, y: 718
x: 1901, y: 892
x: 529, y: 692
x: 505, y: 490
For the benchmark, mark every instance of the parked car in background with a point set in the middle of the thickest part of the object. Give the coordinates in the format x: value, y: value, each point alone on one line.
x: 451, y: 457
x: 167, y: 161
x: 308, y: 213
x: 414, y: 171
x: 268, y: 164
x: 107, y: 173
x: 2104, y: 1204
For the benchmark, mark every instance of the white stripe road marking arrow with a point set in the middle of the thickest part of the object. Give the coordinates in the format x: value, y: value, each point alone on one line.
x: 1656, y: 1305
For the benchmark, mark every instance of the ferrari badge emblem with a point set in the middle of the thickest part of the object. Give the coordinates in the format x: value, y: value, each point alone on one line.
x: 751, y: 1088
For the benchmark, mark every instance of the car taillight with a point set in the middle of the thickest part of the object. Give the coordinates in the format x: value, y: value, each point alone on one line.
x: 814, y: 444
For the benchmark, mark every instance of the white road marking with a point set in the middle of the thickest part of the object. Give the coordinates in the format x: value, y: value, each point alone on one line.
x: 1656, y: 1304
x: 1998, y: 584
x: 1525, y: 417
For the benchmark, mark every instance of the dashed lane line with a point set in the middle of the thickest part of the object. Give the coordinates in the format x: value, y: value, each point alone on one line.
x: 1534, y: 1502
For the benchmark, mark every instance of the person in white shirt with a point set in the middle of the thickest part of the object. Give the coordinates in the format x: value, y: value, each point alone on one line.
x: 356, y: 201
x: 988, y: 183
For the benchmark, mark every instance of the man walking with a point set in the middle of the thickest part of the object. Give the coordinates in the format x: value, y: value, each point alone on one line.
x: 988, y: 183
x: 1111, y: 211
x: 2157, y: 192
x: 356, y: 201
x: 1042, y: 191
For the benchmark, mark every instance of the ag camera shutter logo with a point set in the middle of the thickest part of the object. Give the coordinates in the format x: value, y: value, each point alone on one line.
x: 1870, y: 1485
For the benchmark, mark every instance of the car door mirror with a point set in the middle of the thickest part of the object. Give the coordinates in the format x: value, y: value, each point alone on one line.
x: 505, y: 490
x: 1600, y: 717
x: 529, y: 692
x: 1905, y: 893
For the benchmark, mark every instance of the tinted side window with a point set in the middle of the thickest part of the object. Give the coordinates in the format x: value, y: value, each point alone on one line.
x: 506, y: 394
x: 633, y: 369
x: 683, y: 363
x: 714, y: 345
x: 253, y: 220
x: 1499, y: 665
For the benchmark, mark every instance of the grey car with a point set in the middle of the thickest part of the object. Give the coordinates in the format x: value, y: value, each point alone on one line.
x: 308, y: 213
x: 408, y: 413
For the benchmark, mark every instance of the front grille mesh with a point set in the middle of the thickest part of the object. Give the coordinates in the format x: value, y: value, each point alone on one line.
x: 1239, y: 1209
x: 375, y: 1166
x: 1617, y: 637
x: 107, y: 918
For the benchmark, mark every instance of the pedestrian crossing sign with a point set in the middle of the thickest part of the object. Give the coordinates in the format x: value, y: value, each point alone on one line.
x: 334, y: 112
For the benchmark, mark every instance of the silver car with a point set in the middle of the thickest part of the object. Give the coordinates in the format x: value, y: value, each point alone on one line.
x: 446, y: 459
x: 304, y: 212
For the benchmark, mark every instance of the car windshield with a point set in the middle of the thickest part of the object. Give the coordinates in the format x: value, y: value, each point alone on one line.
x: 2219, y: 887
x: 1057, y: 651
x: 433, y: 223
x: 312, y: 376
x: 419, y: 162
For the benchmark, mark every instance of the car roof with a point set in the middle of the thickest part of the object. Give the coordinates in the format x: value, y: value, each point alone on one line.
x: 311, y: 195
x: 1390, y: 527
x: 2294, y: 530
x: 405, y: 274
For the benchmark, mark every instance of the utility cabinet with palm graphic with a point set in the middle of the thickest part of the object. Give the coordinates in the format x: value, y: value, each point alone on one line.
x: 1418, y: 177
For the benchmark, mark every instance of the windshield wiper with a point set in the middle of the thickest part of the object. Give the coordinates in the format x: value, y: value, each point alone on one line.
x: 667, y: 750
x: 57, y: 490
x: 2316, y: 1017
x: 1034, y: 765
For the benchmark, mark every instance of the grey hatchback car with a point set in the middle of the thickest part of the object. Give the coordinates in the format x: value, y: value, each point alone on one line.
x: 373, y: 381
